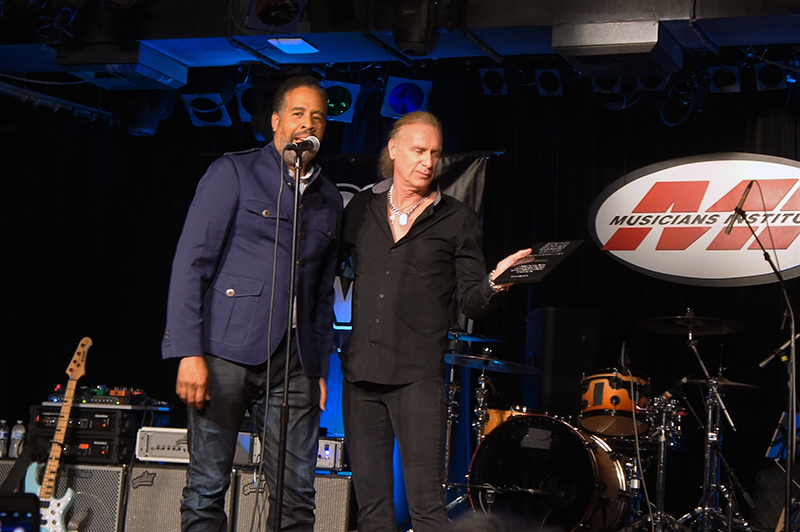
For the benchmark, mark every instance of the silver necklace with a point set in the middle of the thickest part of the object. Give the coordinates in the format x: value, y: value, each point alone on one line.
x: 397, y: 214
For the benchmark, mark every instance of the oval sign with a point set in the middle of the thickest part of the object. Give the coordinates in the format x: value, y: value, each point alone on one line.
x: 669, y: 220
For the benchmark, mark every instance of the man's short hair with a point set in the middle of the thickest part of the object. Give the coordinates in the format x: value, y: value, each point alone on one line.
x: 279, y: 102
x: 386, y: 164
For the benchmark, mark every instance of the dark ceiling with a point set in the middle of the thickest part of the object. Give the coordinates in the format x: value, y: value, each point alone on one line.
x: 123, y: 45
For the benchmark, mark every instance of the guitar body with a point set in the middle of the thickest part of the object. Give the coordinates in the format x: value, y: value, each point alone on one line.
x: 52, y: 510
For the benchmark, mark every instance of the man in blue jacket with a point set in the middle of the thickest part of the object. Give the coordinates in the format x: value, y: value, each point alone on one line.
x: 228, y: 312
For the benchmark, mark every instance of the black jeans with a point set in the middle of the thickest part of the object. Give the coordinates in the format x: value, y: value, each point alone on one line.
x: 235, y: 388
x: 374, y: 414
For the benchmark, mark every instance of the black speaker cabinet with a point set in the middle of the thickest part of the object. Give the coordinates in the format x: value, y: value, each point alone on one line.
x: 333, y: 502
x: 97, y: 504
x: 564, y: 345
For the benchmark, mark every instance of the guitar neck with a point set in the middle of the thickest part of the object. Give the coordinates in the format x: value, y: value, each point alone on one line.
x: 56, y: 448
x: 75, y: 371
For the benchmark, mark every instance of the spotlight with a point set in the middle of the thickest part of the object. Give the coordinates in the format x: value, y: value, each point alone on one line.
x: 413, y: 27
x: 606, y: 84
x: 148, y: 108
x: 244, y: 96
x: 282, y: 16
x: 405, y: 96
x: 206, y: 110
x: 549, y: 82
x: 341, y: 100
x: 724, y: 79
x: 652, y: 83
x: 493, y: 81
x: 770, y: 76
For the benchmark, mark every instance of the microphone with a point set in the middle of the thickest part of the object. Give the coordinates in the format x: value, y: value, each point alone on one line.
x: 738, y: 210
x: 675, y: 390
x: 308, y: 144
x: 777, y: 352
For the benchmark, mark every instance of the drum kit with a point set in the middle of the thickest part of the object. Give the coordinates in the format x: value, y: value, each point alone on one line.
x: 553, y: 473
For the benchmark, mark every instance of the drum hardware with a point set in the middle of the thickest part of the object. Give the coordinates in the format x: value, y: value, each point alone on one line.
x: 664, y: 413
x: 452, y: 417
x: 709, y: 509
x: 460, y: 335
x: 486, y: 362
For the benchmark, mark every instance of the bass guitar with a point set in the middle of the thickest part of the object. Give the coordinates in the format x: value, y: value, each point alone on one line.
x: 52, y: 510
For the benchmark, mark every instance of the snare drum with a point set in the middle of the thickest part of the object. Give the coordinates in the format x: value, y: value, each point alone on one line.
x: 544, y: 471
x: 607, y: 407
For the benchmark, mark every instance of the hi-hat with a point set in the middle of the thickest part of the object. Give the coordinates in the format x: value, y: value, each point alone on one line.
x: 725, y: 384
x: 461, y: 335
x: 684, y: 325
x: 489, y: 364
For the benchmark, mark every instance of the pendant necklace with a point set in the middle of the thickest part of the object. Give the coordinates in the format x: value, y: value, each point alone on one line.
x: 397, y: 214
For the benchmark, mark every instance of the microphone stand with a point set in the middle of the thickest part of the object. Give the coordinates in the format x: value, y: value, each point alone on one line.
x: 284, y: 419
x: 791, y: 437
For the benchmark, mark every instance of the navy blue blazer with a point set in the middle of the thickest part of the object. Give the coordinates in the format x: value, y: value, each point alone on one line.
x: 221, y: 284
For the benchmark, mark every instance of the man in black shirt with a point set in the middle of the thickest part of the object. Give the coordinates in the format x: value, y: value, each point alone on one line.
x: 412, y: 249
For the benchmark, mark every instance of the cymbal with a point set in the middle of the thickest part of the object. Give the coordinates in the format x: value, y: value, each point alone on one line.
x: 683, y: 325
x: 467, y: 337
x: 490, y: 364
x: 725, y: 384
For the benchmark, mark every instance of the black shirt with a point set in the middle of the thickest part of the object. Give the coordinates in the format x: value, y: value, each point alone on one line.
x: 402, y: 291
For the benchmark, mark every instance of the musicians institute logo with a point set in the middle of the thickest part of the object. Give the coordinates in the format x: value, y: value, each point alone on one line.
x: 673, y: 220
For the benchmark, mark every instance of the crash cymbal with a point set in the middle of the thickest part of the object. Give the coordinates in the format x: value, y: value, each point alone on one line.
x: 725, y: 384
x: 683, y: 325
x: 490, y: 364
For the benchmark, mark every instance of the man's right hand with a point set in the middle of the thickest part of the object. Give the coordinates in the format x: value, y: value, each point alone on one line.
x: 192, y: 384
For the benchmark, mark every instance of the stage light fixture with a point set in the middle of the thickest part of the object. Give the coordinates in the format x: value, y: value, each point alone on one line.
x: 341, y: 100
x: 148, y: 109
x: 413, y: 27
x: 280, y: 16
x: 724, y: 79
x: 548, y: 81
x: 494, y: 82
x: 206, y: 110
x: 770, y: 76
x: 652, y: 82
x: 405, y: 96
x: 244, y: 97
x: 606, y: 84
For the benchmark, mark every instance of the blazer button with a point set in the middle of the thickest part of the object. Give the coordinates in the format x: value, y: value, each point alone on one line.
x: 265, y: 213
x: 302, y: 207
x: 230, y: 292
x: 301, y: 235
x: 300, y: 263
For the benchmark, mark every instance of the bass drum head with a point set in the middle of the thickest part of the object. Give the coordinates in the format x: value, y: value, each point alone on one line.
x: 540, y: 470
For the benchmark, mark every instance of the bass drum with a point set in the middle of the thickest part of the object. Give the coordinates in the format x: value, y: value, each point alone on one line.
x: 543, y: 471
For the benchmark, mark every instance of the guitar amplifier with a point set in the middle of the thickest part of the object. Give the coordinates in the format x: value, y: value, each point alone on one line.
x: 333, y: 512
x: 98, y: 420
x: 98, y: 498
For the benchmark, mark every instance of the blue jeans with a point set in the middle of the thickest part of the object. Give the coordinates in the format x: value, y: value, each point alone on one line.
x: 234, y: 389
x: 415, y: 413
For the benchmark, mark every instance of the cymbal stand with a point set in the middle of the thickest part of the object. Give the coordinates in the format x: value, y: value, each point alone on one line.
x: 666, y: 432
x: 481, y: 410
x: 712, y: 489
x: 452, y: 417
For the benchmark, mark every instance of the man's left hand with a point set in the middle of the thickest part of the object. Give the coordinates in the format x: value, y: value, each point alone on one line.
x: 506, y: 263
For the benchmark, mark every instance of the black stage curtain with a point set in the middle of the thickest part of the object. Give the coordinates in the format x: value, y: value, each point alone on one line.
x: 91, y: 217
